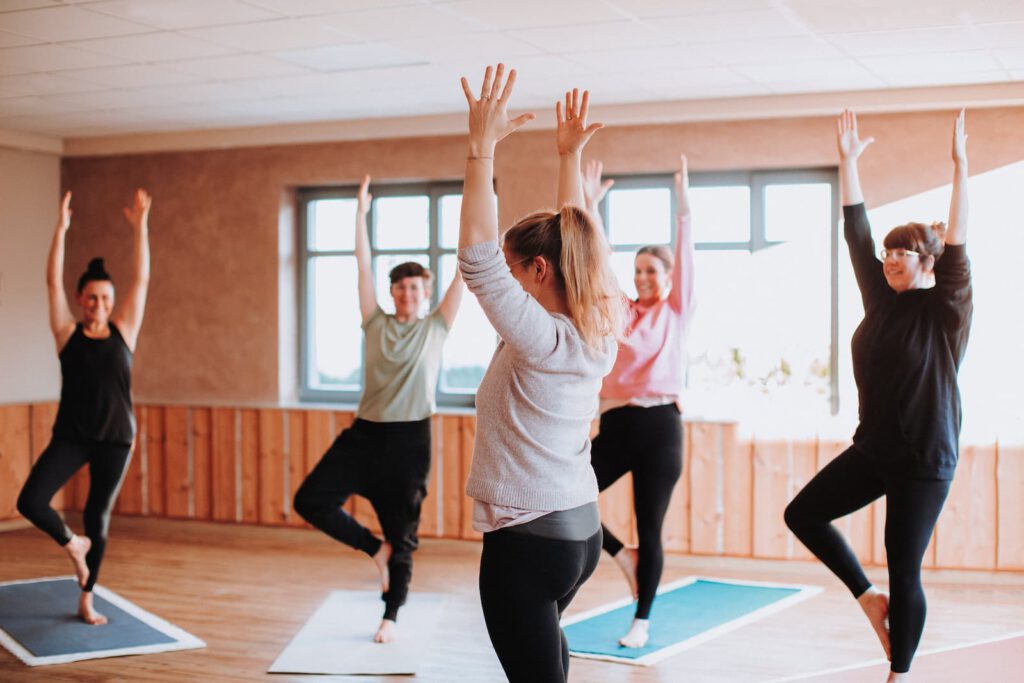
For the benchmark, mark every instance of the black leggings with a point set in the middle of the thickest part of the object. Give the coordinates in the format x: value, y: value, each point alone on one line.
x: 388, y: 464
x: 649, y: 443
x: 526, y: 582
x: 912, y: 507
x: 55, y: 466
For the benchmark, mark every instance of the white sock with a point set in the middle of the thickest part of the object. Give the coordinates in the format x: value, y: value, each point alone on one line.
x: 637, y: 636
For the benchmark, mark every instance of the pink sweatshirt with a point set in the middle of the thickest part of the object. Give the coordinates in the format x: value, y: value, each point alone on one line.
x: 652, y: 356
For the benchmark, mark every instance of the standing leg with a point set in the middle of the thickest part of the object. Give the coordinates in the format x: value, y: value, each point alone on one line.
x: 912, y: 509
x: 657, y: 466
x: 846, y: 484
x: 107, y: 466
x: 336, y: 477
x: 54, y: 467
x: 608, y: 458
x: 397, y: 493
x: 591, y: 556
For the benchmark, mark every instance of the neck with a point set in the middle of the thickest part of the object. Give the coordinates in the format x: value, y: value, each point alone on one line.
x: 554, y: 302
x: 404, y: 318
x: 94, y: 327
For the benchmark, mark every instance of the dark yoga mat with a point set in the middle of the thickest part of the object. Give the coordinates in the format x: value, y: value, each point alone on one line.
x: 41, y: 616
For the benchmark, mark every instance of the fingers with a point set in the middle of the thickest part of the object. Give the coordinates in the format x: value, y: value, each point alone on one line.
x: 487, y: 83
x: 496, y: 85
x: 584, y: 104
x: 568, y: 105
x: 606, y: 185
x: 521, y: 120
x: 469, y: 93
x: 558, y: 114
x: 507, y: 91
x: 365, y: 185
x: 593, y: 128
x: 683, y: 165
x: 65, y: 203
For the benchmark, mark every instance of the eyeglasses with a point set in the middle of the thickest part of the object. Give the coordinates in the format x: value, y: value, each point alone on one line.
x: 898, y: 254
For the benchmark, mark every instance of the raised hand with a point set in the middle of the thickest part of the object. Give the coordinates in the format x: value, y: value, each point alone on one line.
x: 489, y: 121
x: 959, y: 140
x: 573, y: 131
x: 682, y: 179
x: 364, y: 198
x: 64, y: 220
x: 847, y: 138
x: 594, y: 189
x: 138, y: 215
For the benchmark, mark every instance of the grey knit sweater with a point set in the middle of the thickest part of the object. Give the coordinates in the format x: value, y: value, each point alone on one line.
x: 536, y: 401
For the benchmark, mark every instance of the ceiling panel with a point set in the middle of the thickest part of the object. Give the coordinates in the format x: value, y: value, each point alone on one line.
x: 275, y: 35
x: 38, y: 58
x: 231, y: 67
x: 607, y: 35
x: 152, y: 47
x: 181, y: 14
x: 525, y: 14
x: 729, y: 26
x: 358, y: 56
x: 403, y: 22
x: 57, y: 24
x: 14, y: 40
x: 129, y: 76
x: 305, y: 8
x: 42, y: 84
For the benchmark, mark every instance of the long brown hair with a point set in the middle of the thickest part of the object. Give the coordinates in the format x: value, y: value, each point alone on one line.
x: 579, y: 255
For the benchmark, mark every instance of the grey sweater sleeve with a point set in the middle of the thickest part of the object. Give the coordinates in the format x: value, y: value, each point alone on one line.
x: 523, y: 324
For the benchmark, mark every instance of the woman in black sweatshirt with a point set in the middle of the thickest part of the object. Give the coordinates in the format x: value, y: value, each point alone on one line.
x: 906, y: 353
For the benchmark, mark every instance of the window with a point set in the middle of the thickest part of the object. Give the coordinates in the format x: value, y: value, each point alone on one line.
x: 763, y: 338
x: 406, y: 223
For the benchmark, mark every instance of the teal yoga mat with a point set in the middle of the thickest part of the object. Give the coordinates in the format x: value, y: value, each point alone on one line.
x: 687, y: 612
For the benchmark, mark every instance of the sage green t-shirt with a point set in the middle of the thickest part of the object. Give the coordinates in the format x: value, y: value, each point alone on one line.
x: 401, y: 367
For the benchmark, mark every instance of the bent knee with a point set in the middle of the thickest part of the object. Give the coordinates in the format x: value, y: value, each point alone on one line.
x: 794, y: 517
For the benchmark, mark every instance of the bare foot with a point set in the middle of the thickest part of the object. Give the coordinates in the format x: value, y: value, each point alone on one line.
x: 381, y: 560
x: 86, y: 611
x: 627, y: 559
x: 875, y: 604
x: 897, y: 678
x: 77, y: 548
x: 387, y: 632
x: 637, y: 636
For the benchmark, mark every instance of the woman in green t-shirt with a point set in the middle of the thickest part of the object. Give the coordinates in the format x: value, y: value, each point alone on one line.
x: 385, y: 455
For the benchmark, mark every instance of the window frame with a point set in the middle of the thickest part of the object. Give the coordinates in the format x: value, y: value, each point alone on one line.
x: 305, y: 198
x: 757, y: 181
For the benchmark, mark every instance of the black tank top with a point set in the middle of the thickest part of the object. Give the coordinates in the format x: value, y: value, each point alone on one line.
x: 96, y: 389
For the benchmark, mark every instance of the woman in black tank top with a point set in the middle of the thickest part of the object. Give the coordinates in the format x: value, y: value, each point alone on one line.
x: 94, y: 424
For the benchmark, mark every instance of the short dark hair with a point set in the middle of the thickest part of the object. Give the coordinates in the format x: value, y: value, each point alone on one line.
x: 96, y: 272
x: 410, y: 269
x: 927, y: 240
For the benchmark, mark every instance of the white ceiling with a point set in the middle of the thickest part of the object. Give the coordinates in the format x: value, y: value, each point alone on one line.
x: 103, y: 67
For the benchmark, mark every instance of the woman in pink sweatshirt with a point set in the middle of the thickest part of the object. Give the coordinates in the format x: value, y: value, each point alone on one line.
x: 641, y: 428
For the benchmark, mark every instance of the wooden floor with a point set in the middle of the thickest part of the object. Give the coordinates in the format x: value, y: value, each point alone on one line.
x: 246, y: 590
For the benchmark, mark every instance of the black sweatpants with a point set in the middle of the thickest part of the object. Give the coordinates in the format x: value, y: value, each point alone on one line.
x: 912, y: 507
x: 387, y: 463
x: 526, y: 582
x: 55, y: 466
x: 649, y: 443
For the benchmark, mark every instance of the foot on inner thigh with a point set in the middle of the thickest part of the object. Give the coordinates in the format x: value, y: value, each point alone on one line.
x: 381, y: 560
x: 637, y: 636
x: 387, y: 632
x: 875, y: 604
x: 77, y: 548
x: 86, y: 611
x: 627, y: 559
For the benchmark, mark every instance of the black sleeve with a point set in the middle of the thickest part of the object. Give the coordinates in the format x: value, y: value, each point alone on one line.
x: 866, y: 266
x: 954, y: 295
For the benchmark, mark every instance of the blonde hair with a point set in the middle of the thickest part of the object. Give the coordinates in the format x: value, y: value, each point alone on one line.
x: 571, y: 242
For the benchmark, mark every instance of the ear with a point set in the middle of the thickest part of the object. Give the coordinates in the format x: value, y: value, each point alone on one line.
x: 541, y: 268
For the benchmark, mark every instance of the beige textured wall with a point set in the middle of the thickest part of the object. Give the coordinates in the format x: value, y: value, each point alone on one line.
x: 214, y: 323
x: 29, y: 196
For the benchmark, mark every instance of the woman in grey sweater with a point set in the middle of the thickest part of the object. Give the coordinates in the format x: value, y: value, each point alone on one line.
x: 550, y: 293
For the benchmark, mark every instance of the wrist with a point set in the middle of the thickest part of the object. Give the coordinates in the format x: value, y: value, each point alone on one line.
x: 481, y: 149
x: 570, y: 154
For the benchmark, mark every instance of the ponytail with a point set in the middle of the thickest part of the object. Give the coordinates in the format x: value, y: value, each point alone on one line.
x: 579, y: 255
x: 96, y: 272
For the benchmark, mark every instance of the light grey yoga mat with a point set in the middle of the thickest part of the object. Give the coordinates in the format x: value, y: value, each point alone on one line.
x: 338, y: 638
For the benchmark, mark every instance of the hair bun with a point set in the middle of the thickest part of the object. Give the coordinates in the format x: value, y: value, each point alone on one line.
x: 939, y: 228
x: 96, y: 267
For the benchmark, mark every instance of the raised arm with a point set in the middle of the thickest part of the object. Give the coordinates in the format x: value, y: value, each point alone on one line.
x: 956, y: 229
x: 594, y: 188
x: 572, y: 135
x: 488, y: 124
x: 449, y: 306
x: 133, y: 305
x: 62, y: 323
x: 866, y: 266
x: 364, y: 264
x: 680, y: 297
x: 850, y: 148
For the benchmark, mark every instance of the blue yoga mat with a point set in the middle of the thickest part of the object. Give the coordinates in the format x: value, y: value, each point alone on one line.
x: 38, y: 623
x: 686, y: 613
